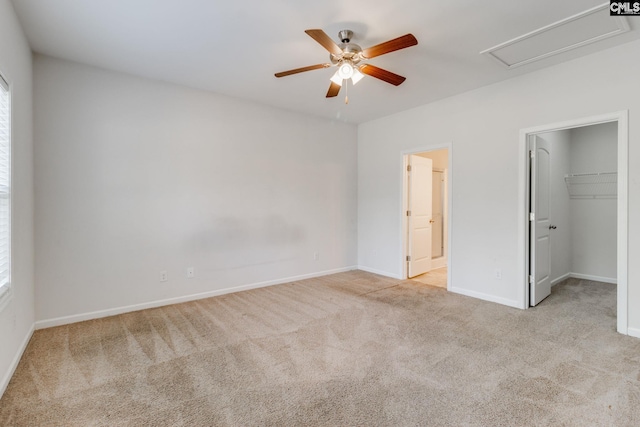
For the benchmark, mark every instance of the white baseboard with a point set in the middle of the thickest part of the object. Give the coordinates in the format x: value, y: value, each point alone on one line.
x: 438, y: 263
x: 561, y: 279
x: 486, y: 297
x: 65, y: 320
x: 380, y: 272
x: 594, y: 278
x: 15, y: 361
x: 584, y: 277
x: 633, y: 332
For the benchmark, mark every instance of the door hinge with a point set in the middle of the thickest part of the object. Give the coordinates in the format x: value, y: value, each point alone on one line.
x: 532, y: 154
x: 408, y: 258
x: 408, y: 213
x: 532, y: 216
x: 408, y: 168
x: 530, y: 279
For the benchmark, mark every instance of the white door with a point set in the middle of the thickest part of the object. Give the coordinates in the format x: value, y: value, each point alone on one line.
x: 540, y: 259
x: 419, y: 215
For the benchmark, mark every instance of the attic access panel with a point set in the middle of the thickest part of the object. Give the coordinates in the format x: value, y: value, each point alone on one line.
x: 570, y: 33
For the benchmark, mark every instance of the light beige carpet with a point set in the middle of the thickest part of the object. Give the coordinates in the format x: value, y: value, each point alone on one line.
x: 346, y: 349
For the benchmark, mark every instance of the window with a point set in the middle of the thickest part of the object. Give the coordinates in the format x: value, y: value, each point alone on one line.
x: 5, y: 190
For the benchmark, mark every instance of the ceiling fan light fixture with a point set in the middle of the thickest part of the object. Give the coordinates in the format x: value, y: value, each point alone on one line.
x: 345, y: 70
x: 357, y: 76
x: 336, y: 78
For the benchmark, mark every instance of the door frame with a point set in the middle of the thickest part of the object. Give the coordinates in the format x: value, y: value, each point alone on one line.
x: 622, y: 118
x: 404, y: 204
x: 445, y: 219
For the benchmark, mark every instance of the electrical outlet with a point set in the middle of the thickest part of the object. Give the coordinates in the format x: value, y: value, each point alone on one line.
x: 191, y: 273
x: 316, y: 256
x: 163, y: 276
x: 498, y: 273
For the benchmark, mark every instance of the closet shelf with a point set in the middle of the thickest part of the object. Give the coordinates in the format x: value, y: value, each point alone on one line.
x: 602, y: 185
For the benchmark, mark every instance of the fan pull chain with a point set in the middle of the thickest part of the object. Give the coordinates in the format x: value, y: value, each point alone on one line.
x: 346, y: 87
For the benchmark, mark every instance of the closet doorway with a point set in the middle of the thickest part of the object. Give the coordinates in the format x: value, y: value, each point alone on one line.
x: 426, y: 217
x: 575, y: 199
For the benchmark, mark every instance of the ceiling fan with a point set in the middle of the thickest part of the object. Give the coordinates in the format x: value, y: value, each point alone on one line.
x: 350, y: 59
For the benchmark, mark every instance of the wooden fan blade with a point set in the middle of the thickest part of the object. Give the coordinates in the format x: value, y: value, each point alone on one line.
x: 384, y: 75
x: 334, y: 89
x: 302, y: 70
x: 326, y: 41
x: 402, y: 42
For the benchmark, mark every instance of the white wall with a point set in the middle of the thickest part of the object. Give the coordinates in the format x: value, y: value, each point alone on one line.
x: 136, y: 176
x: 559, y: 204
x: 594, y: 221
x: 16, y: 318
x: 483, y: 127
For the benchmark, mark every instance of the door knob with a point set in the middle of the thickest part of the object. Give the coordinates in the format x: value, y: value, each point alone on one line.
x: 431, y: 221
x: 552, y: 227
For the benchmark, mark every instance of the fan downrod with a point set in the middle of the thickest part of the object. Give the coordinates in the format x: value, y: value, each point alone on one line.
x: 345, y: 35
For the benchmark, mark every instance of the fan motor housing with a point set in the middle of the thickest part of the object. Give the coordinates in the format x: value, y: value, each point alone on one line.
x: 350, y: 51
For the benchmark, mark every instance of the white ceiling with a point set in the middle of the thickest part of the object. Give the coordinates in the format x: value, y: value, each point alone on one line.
x: 235, y: 47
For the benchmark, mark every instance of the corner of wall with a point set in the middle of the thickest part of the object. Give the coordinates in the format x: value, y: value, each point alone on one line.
x: 6, y: 379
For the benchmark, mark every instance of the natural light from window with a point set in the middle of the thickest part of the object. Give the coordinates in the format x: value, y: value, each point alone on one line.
x: 5, y: 190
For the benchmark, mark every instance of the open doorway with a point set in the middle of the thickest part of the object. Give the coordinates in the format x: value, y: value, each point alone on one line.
x: 426, y: 217
x: 568, y: 195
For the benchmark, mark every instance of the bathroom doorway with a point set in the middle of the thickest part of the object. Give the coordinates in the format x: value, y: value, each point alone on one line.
x: 426, y: 216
